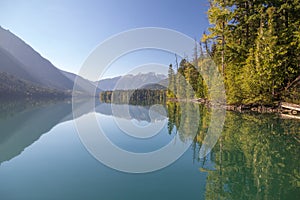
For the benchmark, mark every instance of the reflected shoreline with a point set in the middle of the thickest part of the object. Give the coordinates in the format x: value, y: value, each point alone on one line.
x: 256, y: 156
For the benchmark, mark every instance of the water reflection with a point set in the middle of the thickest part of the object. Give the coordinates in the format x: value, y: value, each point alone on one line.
x: 256, y: 157
x: 23, y: 122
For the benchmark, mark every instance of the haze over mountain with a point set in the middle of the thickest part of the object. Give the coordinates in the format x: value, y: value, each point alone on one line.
x: 35, y: 68
x: 21, y: 62
x: 24, y: 72
x: 130, y: 82
x: 85, y: 85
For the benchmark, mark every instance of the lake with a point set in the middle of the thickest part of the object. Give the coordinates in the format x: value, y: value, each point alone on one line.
x: 42, y: 156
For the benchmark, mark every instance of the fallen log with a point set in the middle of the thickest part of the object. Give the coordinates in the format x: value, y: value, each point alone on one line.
x: 290, y: 106
x: 286, y: 116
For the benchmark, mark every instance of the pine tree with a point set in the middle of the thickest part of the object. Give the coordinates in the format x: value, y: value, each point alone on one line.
x: 256, y: 45
x: 172, y: 83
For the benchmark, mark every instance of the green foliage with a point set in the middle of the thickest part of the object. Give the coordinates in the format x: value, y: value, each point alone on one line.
x: 188, y: 82
x: 172, y: 83
x: 257, y: 46
x: 293, y: 94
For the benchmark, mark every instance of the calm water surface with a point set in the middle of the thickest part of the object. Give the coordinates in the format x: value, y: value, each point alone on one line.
x: 42, y: 157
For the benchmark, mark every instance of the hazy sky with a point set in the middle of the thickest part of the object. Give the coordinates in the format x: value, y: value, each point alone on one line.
x: 66, y: 31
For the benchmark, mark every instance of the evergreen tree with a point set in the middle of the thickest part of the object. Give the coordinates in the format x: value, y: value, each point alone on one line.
x: 172, y: 83
x: 256, y: 45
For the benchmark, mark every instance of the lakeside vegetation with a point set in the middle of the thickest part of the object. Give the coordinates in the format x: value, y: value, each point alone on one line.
x: 256, y: 45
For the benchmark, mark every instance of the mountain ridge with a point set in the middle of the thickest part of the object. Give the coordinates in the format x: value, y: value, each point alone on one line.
x: 41, y: 69
x: 130, y: 81
x: 33, y: 73
x: 20, y: 61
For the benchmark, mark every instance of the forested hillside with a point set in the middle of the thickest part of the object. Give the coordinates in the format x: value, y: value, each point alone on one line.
x: 256, y: 45
x: 12, y: 87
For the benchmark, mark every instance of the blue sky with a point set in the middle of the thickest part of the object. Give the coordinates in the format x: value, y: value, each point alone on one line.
x: 66, y: 31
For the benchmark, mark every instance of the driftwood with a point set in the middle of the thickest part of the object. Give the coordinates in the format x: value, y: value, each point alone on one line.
x: 283, y: 108
x: 293, y: 108
x: 260, y: 109
x: 286, y: 110
x: 285, y: 116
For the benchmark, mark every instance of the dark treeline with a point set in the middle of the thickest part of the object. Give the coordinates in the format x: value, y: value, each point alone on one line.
x: 134, y: 97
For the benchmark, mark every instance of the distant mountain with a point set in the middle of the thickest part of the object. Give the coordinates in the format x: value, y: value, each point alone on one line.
x: 26, y: 66
x: 154, y: 86
x: 19, y: 60
x: 108, y: 84
x: 85, y: 85
x: 36, y: 68
x: 130, y: 82
x: 164, y: 82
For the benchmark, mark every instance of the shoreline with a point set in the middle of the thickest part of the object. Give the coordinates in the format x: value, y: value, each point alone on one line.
x: 284, y: 108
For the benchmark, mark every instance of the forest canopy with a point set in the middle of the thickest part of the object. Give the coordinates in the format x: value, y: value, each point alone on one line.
x: 256, y: 45
x: 251, y: 52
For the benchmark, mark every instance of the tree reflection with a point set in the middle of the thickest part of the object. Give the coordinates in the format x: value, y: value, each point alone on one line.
x: 257, y: 157
x: 191, y: 121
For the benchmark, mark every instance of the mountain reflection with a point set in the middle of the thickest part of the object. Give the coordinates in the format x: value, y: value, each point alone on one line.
x: 23, y: 122
x: 255, y: 156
